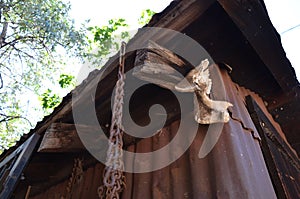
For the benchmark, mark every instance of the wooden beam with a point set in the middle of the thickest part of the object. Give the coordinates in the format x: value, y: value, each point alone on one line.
x: 253, y: 21
x: 160, y: 66
x: 18, y: 167
x: 61, y: 137
x: 282, y: 161
x: 181, y: 15
x: 11, y: 156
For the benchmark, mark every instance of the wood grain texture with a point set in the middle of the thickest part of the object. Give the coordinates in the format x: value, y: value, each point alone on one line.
x: 61, y: 137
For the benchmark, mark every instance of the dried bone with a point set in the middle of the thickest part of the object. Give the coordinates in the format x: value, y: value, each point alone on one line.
x: 153, y: 68
x: 207, y: 111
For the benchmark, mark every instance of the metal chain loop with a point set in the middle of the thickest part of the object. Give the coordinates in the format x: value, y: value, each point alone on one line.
x: 113, y: 177
x: 75, y: 178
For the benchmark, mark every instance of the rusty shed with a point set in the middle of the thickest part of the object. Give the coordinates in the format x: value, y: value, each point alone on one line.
x: 256, y: 155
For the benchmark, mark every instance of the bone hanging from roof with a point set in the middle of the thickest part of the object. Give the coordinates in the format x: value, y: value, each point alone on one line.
x: 162, y: 67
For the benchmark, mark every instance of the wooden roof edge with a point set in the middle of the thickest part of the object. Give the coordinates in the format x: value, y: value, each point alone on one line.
x: 254, y: 22
x: 183, y: 8
x: 188, y: 11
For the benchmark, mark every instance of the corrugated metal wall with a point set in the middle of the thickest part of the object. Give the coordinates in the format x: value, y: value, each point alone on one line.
x: 235, y: 168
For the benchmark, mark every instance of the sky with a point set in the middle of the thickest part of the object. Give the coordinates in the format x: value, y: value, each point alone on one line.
x: 284, y: 16
x: 100, y: 11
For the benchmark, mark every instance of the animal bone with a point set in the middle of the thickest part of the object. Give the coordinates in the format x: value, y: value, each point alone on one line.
x: 207, y: 111
x: 157, y: 65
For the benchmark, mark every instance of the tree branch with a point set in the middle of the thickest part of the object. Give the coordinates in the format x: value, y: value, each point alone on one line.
x: 21, y: 51
x: 1, y: 81
x: 12, y: 117
x: 13, y: 42
x: 3, y: 33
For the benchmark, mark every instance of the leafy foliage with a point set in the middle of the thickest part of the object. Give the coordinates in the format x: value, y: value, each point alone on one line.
x: 145, y: 16
x: 34, y: 34
x: 66, y: 81
x: 50, y: 99
x: 104, y: 41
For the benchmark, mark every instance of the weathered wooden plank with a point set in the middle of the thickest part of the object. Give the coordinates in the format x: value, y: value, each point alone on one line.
x: 160, y: 66
x: 16, y: 171
x: 61, y: 137
x: 11, y: 156
x: 181, y: 15
x: 253, y: 21
x: 167, y: 55
x: 283, y: 164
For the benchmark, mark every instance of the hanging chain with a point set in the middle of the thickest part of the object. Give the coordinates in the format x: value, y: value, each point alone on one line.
x: 113, y: 177
x: 76, y: 176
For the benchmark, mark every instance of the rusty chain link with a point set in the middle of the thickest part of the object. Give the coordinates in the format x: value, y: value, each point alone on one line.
x: 113, y: 177
x: 75, y: 178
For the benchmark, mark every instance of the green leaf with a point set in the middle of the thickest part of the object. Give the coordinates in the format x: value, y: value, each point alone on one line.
x: 66, y: 81
x: 146, y: 16
x: 49, y: 100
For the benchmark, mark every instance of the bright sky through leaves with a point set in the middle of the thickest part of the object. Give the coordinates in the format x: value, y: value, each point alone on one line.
x: 284, y: 15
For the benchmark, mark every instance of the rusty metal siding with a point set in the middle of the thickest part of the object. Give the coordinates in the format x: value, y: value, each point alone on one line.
x: 86, y: 188
x: 235, y: 168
